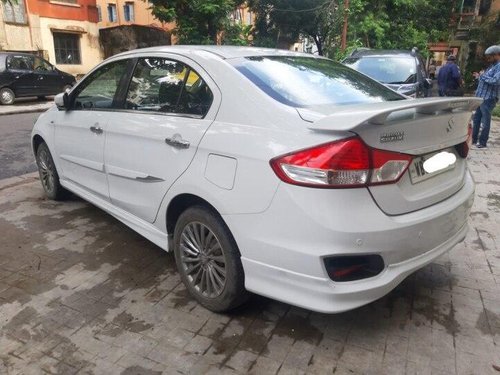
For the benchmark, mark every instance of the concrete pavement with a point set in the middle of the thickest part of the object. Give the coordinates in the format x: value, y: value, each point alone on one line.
x: 27, y: 105
x: 82, y: 293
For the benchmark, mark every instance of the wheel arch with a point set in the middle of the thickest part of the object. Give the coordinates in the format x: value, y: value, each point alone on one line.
x: 181, y: 203
x: 36, y: 142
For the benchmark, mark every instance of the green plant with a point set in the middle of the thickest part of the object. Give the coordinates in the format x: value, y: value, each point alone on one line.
x: 496, y: 111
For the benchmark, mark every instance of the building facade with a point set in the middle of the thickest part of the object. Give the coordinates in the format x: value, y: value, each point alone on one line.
x: 65, y: 32
x: 112, y: 13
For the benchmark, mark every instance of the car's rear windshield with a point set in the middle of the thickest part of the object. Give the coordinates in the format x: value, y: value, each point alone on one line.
x: 307, y: 81
x: 386, y: 69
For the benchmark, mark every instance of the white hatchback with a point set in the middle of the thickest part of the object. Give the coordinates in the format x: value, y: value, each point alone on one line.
x: 274, y: 172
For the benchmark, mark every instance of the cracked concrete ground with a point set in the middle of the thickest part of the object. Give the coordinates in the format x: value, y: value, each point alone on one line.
x: 82, y: 293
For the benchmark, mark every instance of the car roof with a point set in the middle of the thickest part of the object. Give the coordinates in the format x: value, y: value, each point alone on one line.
x: 224, y: 52
x: 382, y: 52
x: 6, y: 53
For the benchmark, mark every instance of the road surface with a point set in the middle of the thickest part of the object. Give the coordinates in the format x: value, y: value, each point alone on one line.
x: 15, y: 150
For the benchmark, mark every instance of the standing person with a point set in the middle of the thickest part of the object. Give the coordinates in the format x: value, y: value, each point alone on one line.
x: 449, y: 78
x: 488, y: 88
x: 432, y: 70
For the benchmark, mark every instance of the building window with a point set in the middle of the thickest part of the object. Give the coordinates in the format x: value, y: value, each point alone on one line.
x: 99, y: 13
x: 14, y: 12
x: 112, y: 15
x: 128, y: 12
x: 67, y: 48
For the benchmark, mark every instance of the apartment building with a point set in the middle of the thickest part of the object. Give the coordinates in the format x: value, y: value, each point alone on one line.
x: 65, y: 32
x: 113, y: 13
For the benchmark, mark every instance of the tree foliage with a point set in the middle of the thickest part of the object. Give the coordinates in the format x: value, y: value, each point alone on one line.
x: 197, y: 21
x: 400, y: 24
x: 281, y: 22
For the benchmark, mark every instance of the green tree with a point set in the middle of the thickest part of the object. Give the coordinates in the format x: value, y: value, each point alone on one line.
x: 281, y: 22
x: 400, y: 24
x: 197, y: 21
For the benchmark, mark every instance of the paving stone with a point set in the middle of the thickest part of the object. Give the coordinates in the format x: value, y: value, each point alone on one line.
x: 81, y: 293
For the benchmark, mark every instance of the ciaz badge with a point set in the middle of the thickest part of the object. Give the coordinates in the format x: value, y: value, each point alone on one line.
x: 392, y: 137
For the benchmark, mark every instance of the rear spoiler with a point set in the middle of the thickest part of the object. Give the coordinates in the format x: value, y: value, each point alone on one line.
x: 348, y: 117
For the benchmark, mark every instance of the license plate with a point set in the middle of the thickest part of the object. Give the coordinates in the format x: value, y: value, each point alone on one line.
x: 418, y: 172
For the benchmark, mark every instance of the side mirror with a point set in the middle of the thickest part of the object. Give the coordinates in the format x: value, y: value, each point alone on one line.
x: 62, y: 100
x: 428, y: 83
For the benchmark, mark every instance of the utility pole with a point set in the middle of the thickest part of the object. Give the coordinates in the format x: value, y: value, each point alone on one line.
x: 344, y: 30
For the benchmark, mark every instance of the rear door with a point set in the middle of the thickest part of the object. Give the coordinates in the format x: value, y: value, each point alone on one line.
x: 80, y: 132
x: 20, y: 68
x: 422, y: 128
x: 169, y: 105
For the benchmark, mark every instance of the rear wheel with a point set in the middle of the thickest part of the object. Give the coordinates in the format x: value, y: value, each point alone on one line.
x: 7, y: 96
x: 48, y: 173
x: 208, y: 260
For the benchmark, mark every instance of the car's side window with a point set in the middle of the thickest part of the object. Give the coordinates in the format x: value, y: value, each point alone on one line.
x: 196, y: 97
x: 156, y: 85
x: 99, y: 89
x: 42, y: 65
x: 163, y: 85
x: 19, y: 62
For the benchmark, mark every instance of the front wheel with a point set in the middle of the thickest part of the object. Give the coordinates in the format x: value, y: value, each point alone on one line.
x: 7, y: 96
x: 208, y: 260
x: 48, y: 173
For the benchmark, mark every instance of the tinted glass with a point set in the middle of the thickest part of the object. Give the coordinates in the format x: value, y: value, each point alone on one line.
x: 20, y: 62
x: 390, y: 69
x: 42, y: 65
x: 156, y: 85
x: 196, y: 97
x: 306, y: 81
x: 99, y: 89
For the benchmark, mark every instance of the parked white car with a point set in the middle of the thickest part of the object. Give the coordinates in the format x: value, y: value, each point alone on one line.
x: 273, y: 172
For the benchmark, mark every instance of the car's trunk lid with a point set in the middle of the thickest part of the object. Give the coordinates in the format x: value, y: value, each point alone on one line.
x: 422, y: 127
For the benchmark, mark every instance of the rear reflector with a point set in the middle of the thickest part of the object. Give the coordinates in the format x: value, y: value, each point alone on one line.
x: 355, y: 267
x: 345, y: 163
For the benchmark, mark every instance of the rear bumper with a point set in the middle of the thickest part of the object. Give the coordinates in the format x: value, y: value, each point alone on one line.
x: 323, y: 295
x: 283, y: 248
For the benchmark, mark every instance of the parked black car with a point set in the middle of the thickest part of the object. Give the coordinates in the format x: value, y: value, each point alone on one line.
x: 400, y: 70
x: 23, y: 74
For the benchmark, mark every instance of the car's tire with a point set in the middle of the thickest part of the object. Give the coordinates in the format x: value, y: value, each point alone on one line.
x: 7, y: 96
x: 48, y: 174
x: 208, y: 260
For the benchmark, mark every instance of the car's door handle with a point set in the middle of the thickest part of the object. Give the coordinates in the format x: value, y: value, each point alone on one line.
x: 177, y: 141
x: 96, y: 129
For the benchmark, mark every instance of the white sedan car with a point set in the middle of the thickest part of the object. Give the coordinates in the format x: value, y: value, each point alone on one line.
x: 273, y: 172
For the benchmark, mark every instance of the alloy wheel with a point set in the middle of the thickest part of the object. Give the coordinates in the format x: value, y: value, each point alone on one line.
x: 7, y: 97
x: 202, y: 259
x: 46, y: 168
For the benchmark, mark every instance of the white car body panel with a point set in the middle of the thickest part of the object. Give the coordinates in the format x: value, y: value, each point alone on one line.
x: 283, y: 231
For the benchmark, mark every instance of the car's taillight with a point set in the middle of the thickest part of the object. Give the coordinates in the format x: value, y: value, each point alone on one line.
x: 345, y: 163
x: 464, y: 147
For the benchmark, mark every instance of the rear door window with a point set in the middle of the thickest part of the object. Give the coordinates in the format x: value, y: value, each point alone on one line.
x: 156, y: 85
x: 167, y: 86
x: 20, y: 63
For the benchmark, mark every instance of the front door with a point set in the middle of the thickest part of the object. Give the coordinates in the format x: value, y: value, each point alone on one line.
x: 80, y: 132
x: 168, y: 108
x: 48, y: 80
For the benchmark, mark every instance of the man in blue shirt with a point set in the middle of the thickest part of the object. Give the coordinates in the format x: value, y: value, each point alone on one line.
x: 488, y: 88
x: 449, y: 77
